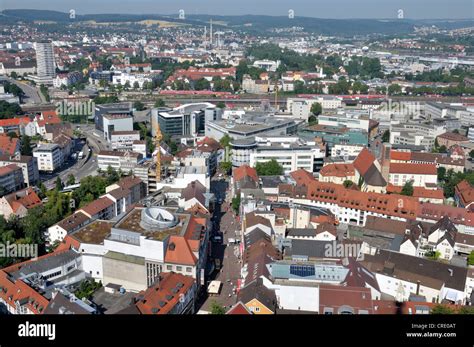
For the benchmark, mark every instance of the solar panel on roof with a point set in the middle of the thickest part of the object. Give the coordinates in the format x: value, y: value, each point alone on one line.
x: 302, y: 270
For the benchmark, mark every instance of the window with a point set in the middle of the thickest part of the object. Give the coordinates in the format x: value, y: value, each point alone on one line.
x: 189, y: 269
x: 179, y: 268
x: 169, y: 267
x: 257, y: 309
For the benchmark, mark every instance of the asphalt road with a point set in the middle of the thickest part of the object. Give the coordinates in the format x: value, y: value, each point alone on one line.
x: 225, y: 225
x: 32, y: 94
x: 87, y: 166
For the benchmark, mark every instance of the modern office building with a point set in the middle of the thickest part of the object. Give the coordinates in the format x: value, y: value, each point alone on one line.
x: 290, y: 152
x: 252, y: 124
x: 124, y: 108
x: 46, y: 69
x: 185, y: 120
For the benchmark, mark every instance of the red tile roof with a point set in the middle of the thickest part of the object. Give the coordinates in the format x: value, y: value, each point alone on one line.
x: 415, y: 169
x: 453, y: 137
x: 338, y: 170
x: 239, y: 308
x: 363, y: 161
x: 399, y: 155
x: 7, y: 169
x: 26, y: 198
x: 179, y: 252
x: 301, y: 176
x: 97, y: 205
x: 465, y: 192
x: 162, y: 297
x: 331, y: 296
x: 12, y: 291
x: 14, y: 121
x: 245, y: 171
x: 418, y: 192
x: 9, y: 145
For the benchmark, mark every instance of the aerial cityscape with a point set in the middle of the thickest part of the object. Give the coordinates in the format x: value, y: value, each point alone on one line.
x: 245, y: 163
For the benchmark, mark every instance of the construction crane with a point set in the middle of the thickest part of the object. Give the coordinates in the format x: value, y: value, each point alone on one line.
x: 158, y: 138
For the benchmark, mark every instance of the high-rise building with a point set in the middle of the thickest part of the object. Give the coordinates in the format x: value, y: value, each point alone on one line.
x: 45, y: 60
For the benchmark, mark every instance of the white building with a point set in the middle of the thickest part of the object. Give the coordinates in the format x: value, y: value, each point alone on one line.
x: 116, y: 122
x: 124, y: 139
x: 339, y: 150
x: 301, y: 107
x: 49, y: 157
x: 422, y: 175
x: 124, y: 161
x: 123, y: 78
x: 291, y: 153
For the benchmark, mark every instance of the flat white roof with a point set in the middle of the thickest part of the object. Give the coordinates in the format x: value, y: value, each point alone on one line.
x: 214, y: 287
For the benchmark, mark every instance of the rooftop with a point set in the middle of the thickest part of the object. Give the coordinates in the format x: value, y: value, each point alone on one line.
x: 164, y: 226
x: 93, y: 233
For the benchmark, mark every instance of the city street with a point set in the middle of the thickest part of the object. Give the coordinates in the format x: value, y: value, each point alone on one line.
x: 225, y: 225
x: 84, y: 167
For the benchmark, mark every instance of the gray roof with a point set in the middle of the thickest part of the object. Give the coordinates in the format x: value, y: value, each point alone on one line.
x: 412, y: 269
x: 307, y: 248
x: 62, y: 305
x: 45, y: 264
x: 373, y: 177
x: 257, y: 290
x: 301, y: 232
x: 254, y: 236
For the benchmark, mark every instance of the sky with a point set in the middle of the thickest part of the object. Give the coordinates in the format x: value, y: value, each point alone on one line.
x: 413, y: 9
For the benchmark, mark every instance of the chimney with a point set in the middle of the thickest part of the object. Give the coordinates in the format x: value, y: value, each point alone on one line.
x: 418, y: 287
x: 451, y: 272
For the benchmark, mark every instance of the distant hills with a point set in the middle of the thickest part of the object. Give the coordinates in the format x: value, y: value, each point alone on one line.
x: 252, y: 23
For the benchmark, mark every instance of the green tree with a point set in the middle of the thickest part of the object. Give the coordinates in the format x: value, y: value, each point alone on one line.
x: 216, y: 308
x: 441, y: 173
x: 226, y: 166
x: 236, y: 203
x: 71, y: 180
x: 312, y: 120
x: 348, y: 183
x: 394, y: 89
x: 25, y: 148
x: 160, y: 103
x: 59, y: 184
x: 470, y: 258
x: 202, y: 84
x: 386, y: 136
x: 407, y: 189
x: 138, y: 105
x: 466, y: 310
x: 441, y: 309
x: 225, y: 141
x: 269, y: 168
x: 316, y: 109
x: 42, y: 189
x: 220, y: 105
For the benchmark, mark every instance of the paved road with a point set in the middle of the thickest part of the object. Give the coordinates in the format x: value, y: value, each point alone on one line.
x: 32, y: 94
x: 225, y: 226
x: 87, y: 166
